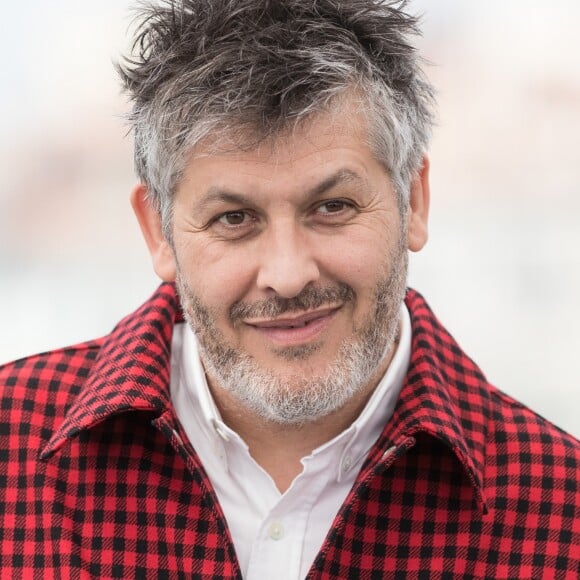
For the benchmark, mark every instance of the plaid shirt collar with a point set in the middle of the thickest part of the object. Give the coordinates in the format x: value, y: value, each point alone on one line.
x: 131, y: 373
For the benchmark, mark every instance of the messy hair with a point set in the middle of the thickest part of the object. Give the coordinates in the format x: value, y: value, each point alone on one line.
x: 252, y: 69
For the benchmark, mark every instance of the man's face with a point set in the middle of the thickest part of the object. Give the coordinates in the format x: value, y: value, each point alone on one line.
x: 291, y: 264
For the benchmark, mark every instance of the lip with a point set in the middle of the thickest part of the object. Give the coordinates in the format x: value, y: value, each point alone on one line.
x: 297, y: 329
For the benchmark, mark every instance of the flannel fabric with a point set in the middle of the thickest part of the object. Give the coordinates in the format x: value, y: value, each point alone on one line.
x: 98, y: 479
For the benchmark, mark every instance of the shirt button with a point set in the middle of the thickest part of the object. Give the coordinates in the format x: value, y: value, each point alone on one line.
x: 276, y: 531
x: 389, y: 452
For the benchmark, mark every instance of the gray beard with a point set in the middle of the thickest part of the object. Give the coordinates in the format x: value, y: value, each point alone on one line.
x: 293, y: 399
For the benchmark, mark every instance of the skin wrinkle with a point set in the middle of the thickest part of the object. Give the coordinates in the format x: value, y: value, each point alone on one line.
x: 216, y: 195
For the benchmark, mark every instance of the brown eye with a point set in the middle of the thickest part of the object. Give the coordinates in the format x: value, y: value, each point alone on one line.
x: 233, y: 218
x: 332, y: 206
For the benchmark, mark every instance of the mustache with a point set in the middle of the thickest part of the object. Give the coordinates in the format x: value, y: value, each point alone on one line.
x: 310, y: 298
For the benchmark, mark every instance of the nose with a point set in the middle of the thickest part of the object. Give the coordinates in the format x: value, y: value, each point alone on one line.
x: 287, y: 263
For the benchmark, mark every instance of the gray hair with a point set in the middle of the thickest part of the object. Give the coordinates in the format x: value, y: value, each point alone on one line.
x: 248, y: 70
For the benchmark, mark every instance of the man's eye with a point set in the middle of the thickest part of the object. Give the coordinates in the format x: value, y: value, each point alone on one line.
x: 233, y: 218
x: 333, y: 206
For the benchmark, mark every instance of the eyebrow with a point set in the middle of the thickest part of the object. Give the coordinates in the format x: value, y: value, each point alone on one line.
x: 219, y: 194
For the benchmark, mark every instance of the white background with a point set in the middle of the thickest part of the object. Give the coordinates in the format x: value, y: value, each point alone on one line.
x: 502, y: 269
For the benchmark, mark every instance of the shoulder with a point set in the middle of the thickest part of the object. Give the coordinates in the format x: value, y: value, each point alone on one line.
x: 520, y: 436
x: 478, y: 403
x: 520, y: 455
x: 37, y: 390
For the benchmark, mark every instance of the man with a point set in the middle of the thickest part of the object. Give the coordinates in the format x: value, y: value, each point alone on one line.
x: 311, y: 417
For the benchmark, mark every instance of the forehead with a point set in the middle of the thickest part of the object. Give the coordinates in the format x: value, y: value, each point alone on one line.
x: 323, y: 143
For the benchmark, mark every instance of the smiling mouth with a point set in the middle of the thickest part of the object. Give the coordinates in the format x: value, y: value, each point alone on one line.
x: 296, y: 322
x: 295, y: 330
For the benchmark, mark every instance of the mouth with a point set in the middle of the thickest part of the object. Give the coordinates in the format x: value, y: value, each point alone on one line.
x: 292, y: 330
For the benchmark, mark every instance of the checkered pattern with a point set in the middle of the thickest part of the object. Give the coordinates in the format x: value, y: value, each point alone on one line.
x: 98, y: 480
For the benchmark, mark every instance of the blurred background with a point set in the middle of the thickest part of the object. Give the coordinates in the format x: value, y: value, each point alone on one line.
x: 502, y: 268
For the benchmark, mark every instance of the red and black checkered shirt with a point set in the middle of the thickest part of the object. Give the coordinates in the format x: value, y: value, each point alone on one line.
x: 98, y: 480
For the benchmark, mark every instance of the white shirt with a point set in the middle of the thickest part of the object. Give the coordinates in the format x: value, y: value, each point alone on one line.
x: 278, y: 535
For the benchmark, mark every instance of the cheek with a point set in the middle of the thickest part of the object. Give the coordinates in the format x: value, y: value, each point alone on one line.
x: 218, y: 277
x: 358, y: 258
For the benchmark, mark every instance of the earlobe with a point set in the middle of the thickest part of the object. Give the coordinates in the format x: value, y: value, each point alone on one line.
x: 418, y: 217
x: 151, y: 228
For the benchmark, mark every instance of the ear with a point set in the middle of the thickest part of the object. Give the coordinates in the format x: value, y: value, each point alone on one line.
x: 418, y: 217
x: 150, y: 222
